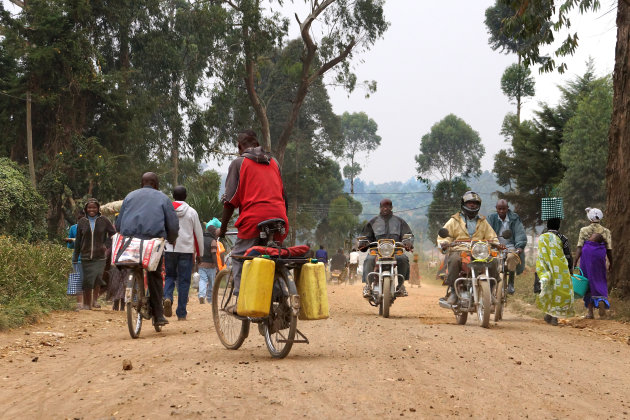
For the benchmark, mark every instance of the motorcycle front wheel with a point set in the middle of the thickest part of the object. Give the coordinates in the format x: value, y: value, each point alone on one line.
x: 134, y: 300
x: 498, y: 309
x: 387, y: 296
x: 461, y: 318
x: 484, y: 305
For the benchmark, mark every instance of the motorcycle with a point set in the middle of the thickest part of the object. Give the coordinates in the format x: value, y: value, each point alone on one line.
x: 501, y: 290
x: 382, y: 283
x: 475, y: 288
x: 337, y: 276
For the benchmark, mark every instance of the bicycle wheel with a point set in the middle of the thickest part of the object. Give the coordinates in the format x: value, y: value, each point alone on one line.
x: 483, y: 306
x: 231, y: 330
x: 133, y: 297
x: 280, y: 326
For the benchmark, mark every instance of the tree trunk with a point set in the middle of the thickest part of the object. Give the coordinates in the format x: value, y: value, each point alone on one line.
x: 618, y: 168
x: 29, y: 139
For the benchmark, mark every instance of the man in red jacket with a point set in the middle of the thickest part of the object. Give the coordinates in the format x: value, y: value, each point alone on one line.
x: 254, y: 186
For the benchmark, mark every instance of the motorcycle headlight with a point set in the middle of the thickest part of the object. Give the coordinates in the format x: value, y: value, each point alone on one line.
x: 386, y: 249
x: 480, y: 251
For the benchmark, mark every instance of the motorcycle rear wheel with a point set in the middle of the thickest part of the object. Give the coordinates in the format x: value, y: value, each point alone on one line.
x: 484, y: 305
x: 232, y: 331
x: 134, y: 317
x: 387, y: 296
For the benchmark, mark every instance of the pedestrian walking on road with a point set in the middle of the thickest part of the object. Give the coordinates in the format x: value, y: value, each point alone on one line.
x: 92, y: 233
x: 552, y: 268
x: 594, y: 245
x: 208, y: 264
x: 179, y: 257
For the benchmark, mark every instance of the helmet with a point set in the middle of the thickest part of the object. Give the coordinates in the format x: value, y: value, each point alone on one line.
x: 471, y: 210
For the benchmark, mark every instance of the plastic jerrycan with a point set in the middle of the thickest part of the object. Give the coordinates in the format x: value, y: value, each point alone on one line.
x: 313, y: 293
x: 254, y: 296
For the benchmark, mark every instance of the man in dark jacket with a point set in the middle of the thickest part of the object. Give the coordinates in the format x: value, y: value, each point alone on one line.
x: 208, y: 265
x: 500, y: 221
x: 386, y: 226
x: 148, y: 213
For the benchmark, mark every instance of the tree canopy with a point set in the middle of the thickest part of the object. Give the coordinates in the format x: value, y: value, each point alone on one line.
x: 359, y: 136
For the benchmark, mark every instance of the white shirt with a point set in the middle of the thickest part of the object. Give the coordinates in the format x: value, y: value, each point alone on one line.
x: 354, y: 257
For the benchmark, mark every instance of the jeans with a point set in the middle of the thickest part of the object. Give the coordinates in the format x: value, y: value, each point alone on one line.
x: 178, y: 269
x: 206, y: 282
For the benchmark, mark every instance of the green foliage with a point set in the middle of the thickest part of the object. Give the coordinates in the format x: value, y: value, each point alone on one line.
x: 359, y: 135
x: 341, y: 225
x: 33, y: 279
x: 446, y: 202
x: 533, y: 167
x: 451, y: 149
x: 517, y: 83
x: 22, y: 209
x: 533, y: 23
x: 203, y: 195
x: 584, y: 153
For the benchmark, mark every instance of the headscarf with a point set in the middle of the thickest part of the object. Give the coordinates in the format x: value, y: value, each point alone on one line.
x: 594, y: 215
x: 90, y: 201
x: 214, y: 222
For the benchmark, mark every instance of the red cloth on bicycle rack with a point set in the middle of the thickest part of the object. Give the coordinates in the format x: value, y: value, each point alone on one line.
x: 292, y: 251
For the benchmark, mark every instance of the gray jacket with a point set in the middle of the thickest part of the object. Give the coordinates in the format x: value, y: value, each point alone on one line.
x: 148, y: 213
x: 519, y: 237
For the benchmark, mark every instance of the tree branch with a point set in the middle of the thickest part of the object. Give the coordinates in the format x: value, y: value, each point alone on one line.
x: 18, y: 3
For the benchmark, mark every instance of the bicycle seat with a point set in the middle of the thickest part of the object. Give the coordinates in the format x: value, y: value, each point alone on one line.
x: 269, y: 227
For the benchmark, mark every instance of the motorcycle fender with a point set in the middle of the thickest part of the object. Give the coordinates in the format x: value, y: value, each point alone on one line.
x: 386, y: 273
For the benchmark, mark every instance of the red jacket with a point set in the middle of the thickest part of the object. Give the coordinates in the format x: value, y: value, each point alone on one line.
x: 254, y: 186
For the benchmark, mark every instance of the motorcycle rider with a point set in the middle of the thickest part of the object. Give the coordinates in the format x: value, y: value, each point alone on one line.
x: 386, y: 226
x: 465, y: 226
x: 500, y: 221
x: 338, y: 262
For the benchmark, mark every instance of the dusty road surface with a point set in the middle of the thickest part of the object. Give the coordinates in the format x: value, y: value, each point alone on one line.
x: 416, y: 364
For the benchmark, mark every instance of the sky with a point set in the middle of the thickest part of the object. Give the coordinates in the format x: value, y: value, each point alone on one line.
x: 435, y: 60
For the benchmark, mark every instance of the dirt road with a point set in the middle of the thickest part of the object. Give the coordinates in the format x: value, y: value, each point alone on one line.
x: 416, y: 364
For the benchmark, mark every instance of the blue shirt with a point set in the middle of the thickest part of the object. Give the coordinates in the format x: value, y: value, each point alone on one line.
x: 471, y: 225
x: 322, y: 255
x: 72, y: 234
x: 148, y: 213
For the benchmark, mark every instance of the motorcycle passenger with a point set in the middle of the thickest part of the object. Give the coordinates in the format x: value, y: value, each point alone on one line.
x: 254, y: 186
x: 338, y: 262
x: 386, y: 226
x: 464, y: 226
x: 500, y: 221
x: 148, y: 213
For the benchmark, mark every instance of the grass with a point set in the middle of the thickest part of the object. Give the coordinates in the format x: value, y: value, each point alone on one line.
x: 33, y: 280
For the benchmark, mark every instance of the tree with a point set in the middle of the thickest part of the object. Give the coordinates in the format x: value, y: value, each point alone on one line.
x: 517, y: 83
x: 451, y: 149
x: 341, y: 225
x: 446, y: 202
x: 359, y: 135
x: 349, y: 28
x: 584, y: 151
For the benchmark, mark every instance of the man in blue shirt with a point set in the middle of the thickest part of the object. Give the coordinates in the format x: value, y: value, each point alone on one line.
x: 322, y: 255
x: 148, y: 213
x: 500, y: 221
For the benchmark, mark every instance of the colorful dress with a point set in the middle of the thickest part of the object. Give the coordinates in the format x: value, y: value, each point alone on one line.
x: 593, y: 265
x: 556, y: 295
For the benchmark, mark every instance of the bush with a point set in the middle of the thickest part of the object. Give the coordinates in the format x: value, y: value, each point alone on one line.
x: 33, y: 280
x: 22, y: 208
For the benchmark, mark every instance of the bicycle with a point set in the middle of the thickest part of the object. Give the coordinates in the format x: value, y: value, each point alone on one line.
x: 279, y: 328
x: 138, y: 304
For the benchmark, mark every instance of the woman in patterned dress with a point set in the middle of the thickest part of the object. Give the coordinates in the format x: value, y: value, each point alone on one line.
x: 552, y: 267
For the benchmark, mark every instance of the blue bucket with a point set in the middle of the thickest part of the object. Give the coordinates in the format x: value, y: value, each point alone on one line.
x: 580, y: 284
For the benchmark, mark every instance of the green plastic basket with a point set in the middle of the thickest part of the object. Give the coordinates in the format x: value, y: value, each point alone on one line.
x: 580, y: 284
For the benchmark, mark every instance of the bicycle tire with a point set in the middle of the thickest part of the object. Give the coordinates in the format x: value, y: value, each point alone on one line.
x: 134, y: 318
x: 232, y: 331
x: 280, y: 349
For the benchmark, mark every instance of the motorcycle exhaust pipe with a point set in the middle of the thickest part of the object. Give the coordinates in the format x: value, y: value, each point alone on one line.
x: 445, y: 304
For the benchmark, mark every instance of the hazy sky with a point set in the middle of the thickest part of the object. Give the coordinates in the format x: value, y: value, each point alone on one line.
x: 435, y: 60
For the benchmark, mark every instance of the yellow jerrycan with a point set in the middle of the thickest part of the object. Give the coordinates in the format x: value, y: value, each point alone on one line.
x: 254, y: 297
x: 311, y: 287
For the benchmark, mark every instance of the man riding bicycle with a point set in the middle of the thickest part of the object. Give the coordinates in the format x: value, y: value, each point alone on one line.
x: 254, y: 186
x: 148, y: 213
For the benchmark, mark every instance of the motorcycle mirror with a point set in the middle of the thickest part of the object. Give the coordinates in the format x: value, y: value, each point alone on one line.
x: 507, y: 234
x: 443, y: 233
